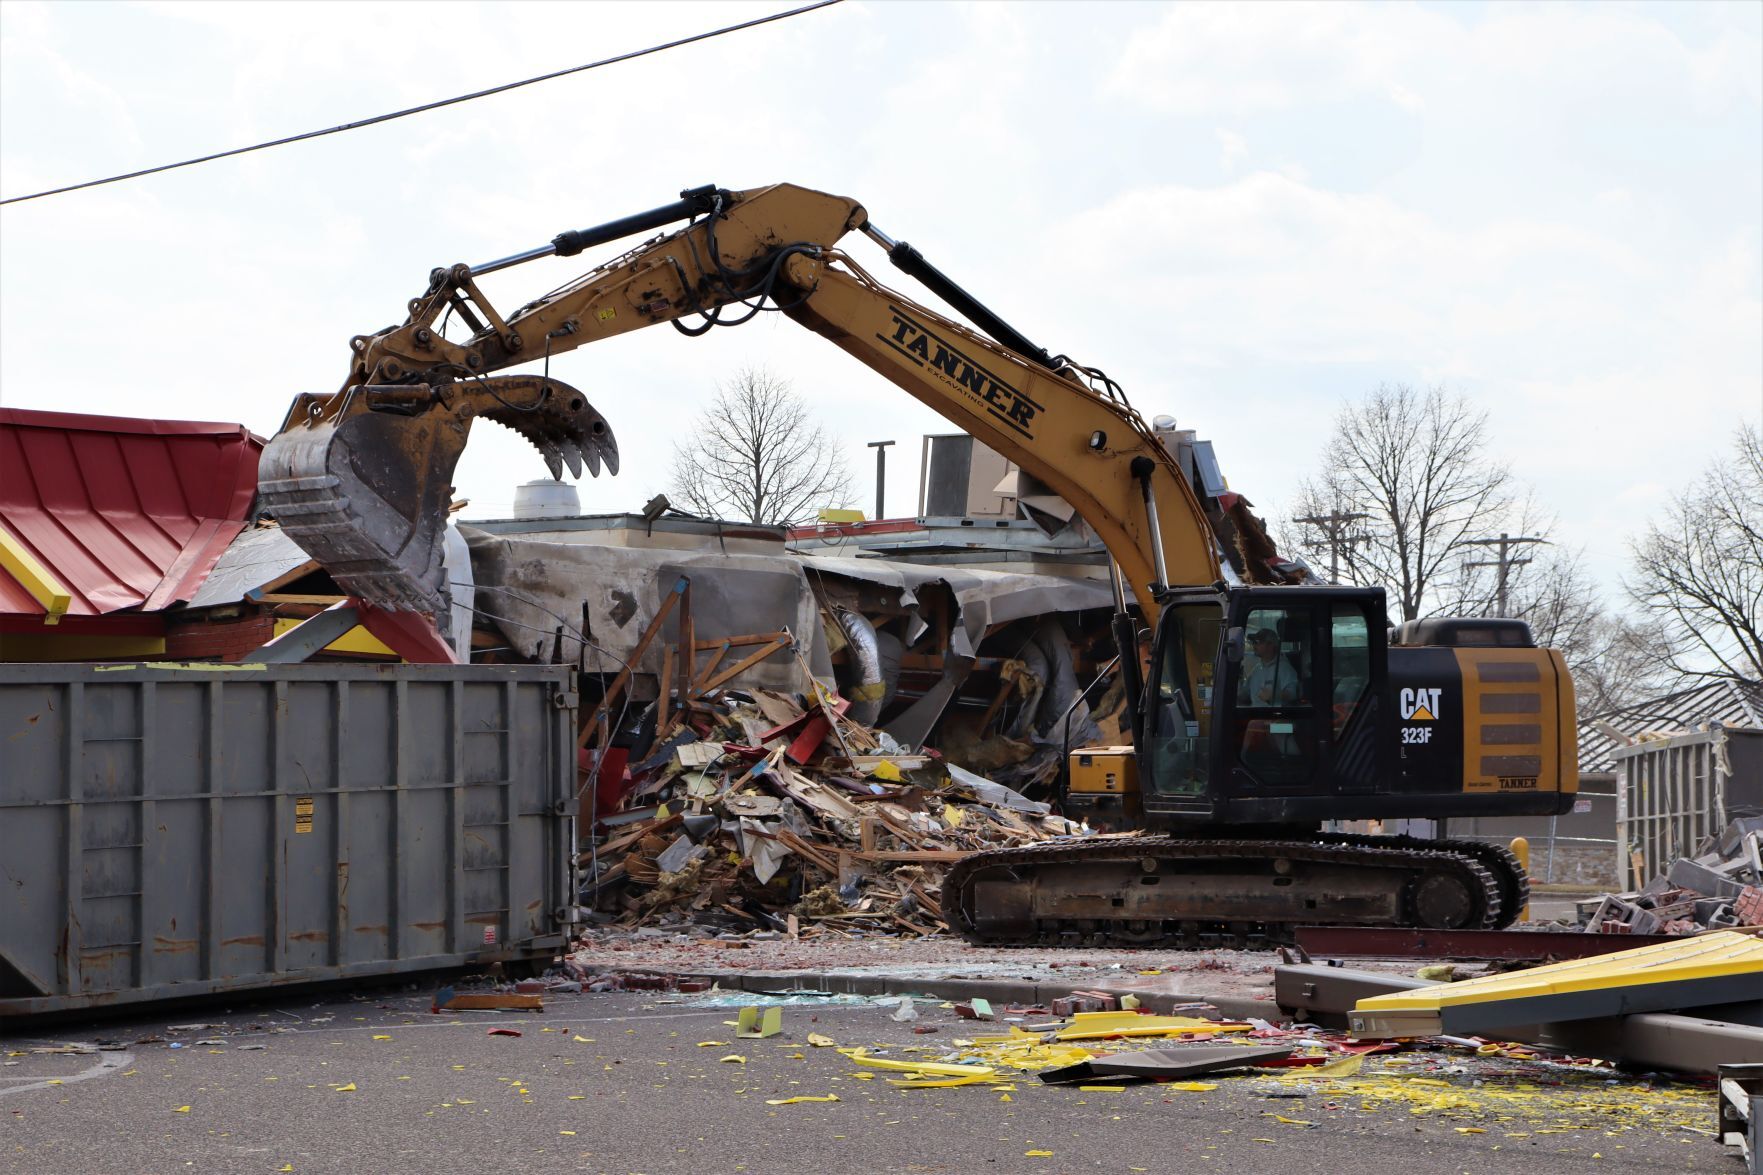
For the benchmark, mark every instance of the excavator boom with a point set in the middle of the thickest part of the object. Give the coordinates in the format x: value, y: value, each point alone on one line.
x: 361, y: 479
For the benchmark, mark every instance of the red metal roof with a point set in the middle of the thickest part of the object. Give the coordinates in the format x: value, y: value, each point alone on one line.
x: 125, y: 513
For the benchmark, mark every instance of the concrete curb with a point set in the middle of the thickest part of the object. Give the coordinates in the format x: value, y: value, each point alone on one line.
x: 999, y: 991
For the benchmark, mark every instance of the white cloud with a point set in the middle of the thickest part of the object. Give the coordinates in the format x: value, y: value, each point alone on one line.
x: 1593, y: 358
x: 1209, y: 58
x: 1232, y: 147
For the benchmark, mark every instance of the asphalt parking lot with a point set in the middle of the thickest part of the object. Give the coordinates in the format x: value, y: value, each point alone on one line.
x: 626, y: 1083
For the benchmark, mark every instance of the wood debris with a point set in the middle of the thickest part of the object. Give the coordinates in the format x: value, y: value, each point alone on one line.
x: 778, y: 814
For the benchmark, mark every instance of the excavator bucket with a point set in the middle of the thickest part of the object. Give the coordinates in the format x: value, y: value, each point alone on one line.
x: 362, y: 480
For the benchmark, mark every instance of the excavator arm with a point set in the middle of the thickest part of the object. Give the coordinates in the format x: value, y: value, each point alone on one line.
x: 361, y: 478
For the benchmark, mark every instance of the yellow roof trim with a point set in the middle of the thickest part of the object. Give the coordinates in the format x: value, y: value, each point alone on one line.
x: 35, y: 578
x: 1705, y: 956
x: 356, y: 640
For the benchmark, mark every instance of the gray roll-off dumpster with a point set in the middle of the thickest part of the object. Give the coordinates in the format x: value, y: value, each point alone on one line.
x: 179, y: 830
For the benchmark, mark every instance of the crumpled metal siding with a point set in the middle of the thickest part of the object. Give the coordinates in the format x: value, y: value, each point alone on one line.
x: 119, y: 509
x: 173, y: 831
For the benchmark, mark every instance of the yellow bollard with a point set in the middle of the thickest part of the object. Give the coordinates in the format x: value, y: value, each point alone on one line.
x: 1521, y: 850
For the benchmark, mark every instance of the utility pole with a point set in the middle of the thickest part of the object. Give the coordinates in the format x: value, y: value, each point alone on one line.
x: 1332, y: 524
x: 1504, y: 561
x: 881, y: 474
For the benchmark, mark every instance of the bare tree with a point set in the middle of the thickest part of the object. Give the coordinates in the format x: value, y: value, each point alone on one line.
x: 1614, y: 661
x: 1619, y: 666
x: 756, y: 455
x: 1699, y: 572
x: 1415, y: 464
x: 1556, y: 597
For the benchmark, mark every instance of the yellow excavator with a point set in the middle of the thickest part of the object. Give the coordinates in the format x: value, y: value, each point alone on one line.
x: 1268, y: 706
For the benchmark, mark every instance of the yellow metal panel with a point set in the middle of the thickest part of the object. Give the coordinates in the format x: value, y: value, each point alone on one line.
x: 1565, y: 704
x: 841, y: 516
x: 1104, y: 769
x: 35, y: 578
x: 1706, y: 956
x: 82, y: 646
x: 356, y: 640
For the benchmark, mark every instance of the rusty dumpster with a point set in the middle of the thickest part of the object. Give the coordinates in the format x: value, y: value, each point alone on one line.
x: 178, y: 830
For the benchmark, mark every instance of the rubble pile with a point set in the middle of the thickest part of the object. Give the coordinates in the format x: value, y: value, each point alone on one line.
x: 1718, y: 887
x: 772, y: 814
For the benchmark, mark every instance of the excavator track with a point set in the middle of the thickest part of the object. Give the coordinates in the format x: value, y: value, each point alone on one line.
x: 1500, y: 862
x: 1191, y: 894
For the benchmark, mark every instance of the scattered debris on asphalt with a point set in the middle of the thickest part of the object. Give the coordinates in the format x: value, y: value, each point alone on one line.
x: 1480, y: 1085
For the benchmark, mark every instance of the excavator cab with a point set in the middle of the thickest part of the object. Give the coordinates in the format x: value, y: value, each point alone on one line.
x: 1278, y: 706
x: 1261, y: 702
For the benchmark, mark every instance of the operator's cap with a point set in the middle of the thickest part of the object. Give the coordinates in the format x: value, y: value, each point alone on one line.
x: 1264, y: 634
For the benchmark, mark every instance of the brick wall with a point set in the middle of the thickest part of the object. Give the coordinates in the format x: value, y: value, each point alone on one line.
x: 222, y: 640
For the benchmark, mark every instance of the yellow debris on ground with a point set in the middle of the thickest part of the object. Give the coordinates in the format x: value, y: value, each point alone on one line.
x: 861, y: 1057
x: 1569, y: 1101
x: 790, y: 1101
x: 1102, y: 1025
x: 941, y: 1082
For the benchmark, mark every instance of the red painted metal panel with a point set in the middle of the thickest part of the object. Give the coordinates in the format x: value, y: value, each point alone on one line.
x: 119, y: 509
x: 14, y: 600
x: 1406, y: 942
x: 411, y: 635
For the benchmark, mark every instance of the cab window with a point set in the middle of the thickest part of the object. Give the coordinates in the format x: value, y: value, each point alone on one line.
x: 1275, y: 721
x: 1350, y: 642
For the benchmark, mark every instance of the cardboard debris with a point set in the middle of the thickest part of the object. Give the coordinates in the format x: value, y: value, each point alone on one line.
x: 447, y: 1000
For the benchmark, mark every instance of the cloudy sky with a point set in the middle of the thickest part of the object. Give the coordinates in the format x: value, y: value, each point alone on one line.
x: 1244, y: 213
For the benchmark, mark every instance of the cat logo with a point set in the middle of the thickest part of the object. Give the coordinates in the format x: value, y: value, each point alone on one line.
x: 1420, y: 705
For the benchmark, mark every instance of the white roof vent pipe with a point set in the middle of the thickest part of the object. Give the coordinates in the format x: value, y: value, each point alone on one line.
x: 546, y: 498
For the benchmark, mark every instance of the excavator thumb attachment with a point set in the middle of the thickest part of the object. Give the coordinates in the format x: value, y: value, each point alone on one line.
x: 362, y: 480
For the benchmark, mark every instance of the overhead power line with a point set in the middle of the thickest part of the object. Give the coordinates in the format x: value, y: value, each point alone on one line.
x: 378, y: 118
